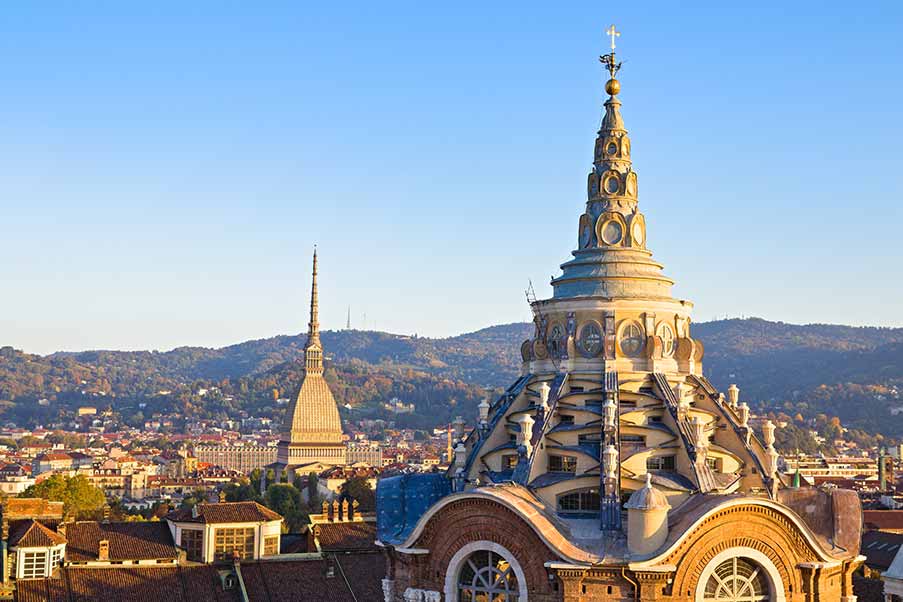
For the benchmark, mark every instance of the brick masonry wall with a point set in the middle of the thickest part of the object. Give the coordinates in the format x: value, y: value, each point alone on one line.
x: 762, y: 529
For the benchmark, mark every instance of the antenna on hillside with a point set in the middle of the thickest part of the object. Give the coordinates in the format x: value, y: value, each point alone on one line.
x: 348, y: 323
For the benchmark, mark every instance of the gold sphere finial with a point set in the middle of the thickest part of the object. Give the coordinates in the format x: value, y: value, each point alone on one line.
x: 612, y: 86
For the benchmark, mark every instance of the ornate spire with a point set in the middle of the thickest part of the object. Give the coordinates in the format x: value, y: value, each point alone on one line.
x: 612, y: 259
x: 313, y: 350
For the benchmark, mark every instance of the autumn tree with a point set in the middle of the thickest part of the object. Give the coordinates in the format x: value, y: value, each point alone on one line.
x: 358, y: 488
x: 80, y: 498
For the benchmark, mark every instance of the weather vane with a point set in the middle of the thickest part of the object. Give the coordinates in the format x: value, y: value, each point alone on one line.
x: 609, y: 59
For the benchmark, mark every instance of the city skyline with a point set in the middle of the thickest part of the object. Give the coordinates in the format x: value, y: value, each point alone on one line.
x: 171, y: 193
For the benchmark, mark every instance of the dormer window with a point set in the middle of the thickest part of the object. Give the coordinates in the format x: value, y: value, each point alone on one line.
x: 193, y: 543
x: 39, y: 563
x: 34, y: 565
x: 228, y: 541
x: 509, y: 462
x: 563, y: 464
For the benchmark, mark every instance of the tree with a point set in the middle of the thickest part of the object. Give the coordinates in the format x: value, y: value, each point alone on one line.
x: 313, y: 496
x: 285, y: 499
x: 358, y: 488
x: 282, y: 498
x: 241, y: 492
x: 80, y: 498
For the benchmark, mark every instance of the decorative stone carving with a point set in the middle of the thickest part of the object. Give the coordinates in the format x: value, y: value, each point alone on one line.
x: 733, y: 395
x: 458, y: 425
x: 421, y: 595
x: 768, y: 433
x: 388, y: 590
x: 743, y: 414
x: 544, y: 391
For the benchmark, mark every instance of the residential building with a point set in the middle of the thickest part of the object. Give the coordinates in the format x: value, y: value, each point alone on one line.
x: 242, y: 458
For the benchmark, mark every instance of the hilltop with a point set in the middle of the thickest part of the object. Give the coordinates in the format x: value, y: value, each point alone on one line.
x: 851, y: 372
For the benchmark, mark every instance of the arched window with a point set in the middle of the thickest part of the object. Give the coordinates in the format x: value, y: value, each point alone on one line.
x: 583, y: 502
x: 487, y: 577
x: 737, y: 580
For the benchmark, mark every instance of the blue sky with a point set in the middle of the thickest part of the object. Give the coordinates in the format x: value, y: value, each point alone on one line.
x: 167, y: 167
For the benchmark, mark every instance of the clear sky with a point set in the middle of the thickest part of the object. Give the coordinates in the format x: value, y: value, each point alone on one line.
x: 166, y: 167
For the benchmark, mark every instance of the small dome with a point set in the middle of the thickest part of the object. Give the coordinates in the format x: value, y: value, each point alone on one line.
x: 648, y: 498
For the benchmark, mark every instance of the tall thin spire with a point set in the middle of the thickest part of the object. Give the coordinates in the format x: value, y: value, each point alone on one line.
x: 313, y: 350
x: 313, y: 327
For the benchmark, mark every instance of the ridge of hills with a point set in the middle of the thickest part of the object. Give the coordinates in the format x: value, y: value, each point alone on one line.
x: 854, y: 373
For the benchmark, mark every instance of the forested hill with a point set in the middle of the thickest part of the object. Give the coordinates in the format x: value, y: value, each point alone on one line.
x: 850, y: 372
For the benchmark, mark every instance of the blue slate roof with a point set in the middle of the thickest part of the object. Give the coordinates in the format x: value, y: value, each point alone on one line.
x: 402, y: 500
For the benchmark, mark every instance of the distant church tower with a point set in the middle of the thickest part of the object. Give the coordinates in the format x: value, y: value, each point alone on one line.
x: 312, y: 431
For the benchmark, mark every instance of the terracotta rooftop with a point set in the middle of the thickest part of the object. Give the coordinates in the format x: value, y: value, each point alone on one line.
x: 882, y: 520
x: 31, y: 507
x: 272, y: 581
x: 288, y: 580
x: 32, y: 534
x: 348, y: 536
x: 225, y: 512
x: 128, y: 541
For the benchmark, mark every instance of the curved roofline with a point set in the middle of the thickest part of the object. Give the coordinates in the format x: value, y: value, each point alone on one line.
x: 752, y: 501
x: 568, y: 551
x: 546, y: 530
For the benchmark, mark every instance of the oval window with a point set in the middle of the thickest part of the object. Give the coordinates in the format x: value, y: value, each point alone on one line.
x: 611, y: 232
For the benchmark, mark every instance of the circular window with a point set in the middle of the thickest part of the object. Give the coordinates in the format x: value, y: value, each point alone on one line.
x: 612, y: 148
x: 632, y: 339
x: 612, y: 185
x: 611, y: 232
x: 590, y: 340
x: 667, y: 336
x: 485, y: 575
x: 737, y: 580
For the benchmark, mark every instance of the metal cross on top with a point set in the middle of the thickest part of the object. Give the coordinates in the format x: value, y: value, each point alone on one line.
x: 614, y: 33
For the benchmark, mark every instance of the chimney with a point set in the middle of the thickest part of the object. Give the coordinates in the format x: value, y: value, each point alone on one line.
x: 345, y: 505
x: 103, y: 549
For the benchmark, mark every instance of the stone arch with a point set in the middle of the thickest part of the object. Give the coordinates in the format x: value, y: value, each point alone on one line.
x: 773, y: 575
x: 454, y: 566
x: 774, y: 539
x: 464, y: 522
